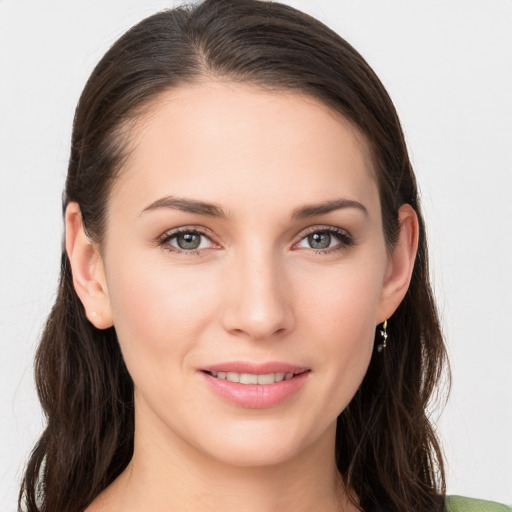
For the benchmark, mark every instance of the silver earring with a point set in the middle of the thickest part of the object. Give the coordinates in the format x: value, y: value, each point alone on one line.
x: 384, y: 335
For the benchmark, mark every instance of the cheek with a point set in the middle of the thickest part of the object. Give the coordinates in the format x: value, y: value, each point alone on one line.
x: 159, y: 311
x: 342, y: 303
x: 339, y: 314
x: 348, y: 338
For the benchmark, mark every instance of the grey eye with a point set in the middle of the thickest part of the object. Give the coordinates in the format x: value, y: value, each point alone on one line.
x: 327, y: 238
x: 319, y: 240
x: 188, y: 240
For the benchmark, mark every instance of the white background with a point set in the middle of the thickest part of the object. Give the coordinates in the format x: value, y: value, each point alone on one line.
x: 448, y: 66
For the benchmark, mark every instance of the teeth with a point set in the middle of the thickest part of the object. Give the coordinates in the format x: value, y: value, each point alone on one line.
x: 251, y: 378
x: 269, y: 378
x: 248, y: 378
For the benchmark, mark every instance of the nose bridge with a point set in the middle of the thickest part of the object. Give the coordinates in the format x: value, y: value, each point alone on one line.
x: 258, y: 305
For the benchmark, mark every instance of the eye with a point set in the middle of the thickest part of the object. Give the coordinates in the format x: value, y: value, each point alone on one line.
x: 325, y: 240
x: 186, y: 240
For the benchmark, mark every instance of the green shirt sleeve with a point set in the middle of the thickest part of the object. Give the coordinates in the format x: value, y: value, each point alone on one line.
x: 461, y: 504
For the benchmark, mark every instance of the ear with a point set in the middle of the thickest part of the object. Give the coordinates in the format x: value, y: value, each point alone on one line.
x: 400, y: 264
x: 87, y: 269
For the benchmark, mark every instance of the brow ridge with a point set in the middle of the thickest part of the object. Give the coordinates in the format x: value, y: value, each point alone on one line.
x: 186, y: 205
x: 326, y: 207
x: 213, y: 210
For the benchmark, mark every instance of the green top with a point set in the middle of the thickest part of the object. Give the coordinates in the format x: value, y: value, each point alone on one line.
x: 462, y: 504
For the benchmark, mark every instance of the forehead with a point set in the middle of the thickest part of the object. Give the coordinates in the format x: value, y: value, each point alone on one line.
x: 223, y: 141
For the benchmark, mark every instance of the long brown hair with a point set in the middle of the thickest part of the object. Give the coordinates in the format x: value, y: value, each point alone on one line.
x: 386, y: 448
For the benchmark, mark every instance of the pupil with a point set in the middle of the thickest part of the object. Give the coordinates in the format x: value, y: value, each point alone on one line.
x: 188, y: 241
x: 319, y: 240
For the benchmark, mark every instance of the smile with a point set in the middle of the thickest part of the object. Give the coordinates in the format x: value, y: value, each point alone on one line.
x: 255, y: 386
x: 252, y: 378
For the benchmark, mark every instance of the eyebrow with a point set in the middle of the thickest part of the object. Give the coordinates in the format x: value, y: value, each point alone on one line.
x: 186, y: 205
x: 212, y: 210
x: 326, y: 207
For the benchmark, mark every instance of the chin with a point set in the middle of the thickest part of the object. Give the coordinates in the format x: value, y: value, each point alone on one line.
x: 258, y: 444
x: 256, y: 454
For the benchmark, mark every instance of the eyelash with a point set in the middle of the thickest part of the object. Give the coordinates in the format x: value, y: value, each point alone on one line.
x: 344, y: 238
x: 167, y: 237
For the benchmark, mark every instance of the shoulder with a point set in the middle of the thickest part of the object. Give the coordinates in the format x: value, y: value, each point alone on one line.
x: 462, y: 504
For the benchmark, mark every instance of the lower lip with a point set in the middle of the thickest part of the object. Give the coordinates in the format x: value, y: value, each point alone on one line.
x: 256, y: 396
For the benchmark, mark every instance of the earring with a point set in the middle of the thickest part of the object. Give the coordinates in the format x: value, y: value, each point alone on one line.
x: 384, y: 334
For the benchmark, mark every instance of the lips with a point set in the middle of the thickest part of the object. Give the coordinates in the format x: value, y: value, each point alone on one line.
x: 253, y: 385
x: 255, y: 368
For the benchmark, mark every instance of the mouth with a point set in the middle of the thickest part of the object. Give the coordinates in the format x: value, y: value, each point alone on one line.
x: 256, y: 378
x: 256, y: 385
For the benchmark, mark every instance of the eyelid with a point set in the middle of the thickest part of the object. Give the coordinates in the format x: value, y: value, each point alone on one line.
x: 344, y: 237
x: 171, y: 233
x: 323, y: 227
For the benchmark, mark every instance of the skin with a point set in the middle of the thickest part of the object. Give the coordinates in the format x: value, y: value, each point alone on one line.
x: 255, y: 290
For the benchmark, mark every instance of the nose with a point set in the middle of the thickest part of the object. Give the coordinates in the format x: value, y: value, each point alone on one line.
x: 258, y: 302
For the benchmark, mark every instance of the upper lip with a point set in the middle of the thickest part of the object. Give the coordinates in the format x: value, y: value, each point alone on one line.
x: 255, y: 368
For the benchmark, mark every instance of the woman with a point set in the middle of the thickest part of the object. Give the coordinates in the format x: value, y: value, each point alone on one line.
x: 244, y: 318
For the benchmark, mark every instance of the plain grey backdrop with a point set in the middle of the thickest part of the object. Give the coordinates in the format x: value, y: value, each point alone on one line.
x: 447, y: 65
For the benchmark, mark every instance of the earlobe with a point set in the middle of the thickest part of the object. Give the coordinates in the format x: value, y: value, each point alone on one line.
x: 87, y: 269
x: 401, y: 263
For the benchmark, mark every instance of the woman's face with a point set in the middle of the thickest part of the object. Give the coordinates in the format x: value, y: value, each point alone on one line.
x: 244, y: 241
